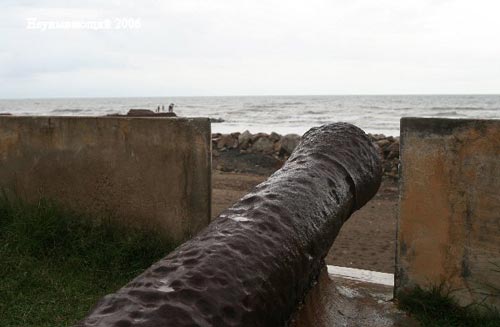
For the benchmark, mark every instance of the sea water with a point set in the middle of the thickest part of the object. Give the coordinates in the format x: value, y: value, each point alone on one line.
x: 378, y: 114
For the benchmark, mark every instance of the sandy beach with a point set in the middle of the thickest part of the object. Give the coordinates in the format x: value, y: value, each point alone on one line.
x: 367, y: 239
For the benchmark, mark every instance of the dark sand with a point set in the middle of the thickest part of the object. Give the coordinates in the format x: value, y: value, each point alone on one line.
x: 367, y: 240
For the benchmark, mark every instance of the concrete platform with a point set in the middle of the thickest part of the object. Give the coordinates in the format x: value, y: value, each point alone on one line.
x: 351, y: 297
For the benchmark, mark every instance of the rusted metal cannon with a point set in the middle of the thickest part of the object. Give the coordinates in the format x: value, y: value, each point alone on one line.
x: 256, y: 261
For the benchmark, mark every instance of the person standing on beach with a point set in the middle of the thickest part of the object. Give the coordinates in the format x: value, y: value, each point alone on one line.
x: 171, y: 107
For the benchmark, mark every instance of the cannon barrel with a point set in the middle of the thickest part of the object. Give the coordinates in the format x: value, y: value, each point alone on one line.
x: 256, y: 261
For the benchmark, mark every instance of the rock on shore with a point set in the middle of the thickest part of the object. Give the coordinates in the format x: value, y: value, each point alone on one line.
x: 264, y: 153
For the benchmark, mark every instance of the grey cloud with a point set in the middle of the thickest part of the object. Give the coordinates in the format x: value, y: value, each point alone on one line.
x: 255, y: 47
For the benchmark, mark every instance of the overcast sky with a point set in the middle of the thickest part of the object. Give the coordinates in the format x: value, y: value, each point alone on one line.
x: 231, y: 47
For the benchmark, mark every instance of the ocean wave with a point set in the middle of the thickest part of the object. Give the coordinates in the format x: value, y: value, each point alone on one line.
x: 191, y: 107
x: 372, y: 107
x: 448, y: 114
x: 458, y: 108
x: 314, y: 112
x: 291, y: 103
x: 261, y: 106
x: 61, y: 111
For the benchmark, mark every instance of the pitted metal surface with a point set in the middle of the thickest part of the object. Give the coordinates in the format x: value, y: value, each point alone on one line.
x: 256, y: 261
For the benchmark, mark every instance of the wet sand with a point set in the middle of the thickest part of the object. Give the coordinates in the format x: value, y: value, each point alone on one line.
x: 367, y: 239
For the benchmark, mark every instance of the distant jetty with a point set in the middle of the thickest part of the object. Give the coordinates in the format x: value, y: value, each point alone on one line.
x: 144, y: 113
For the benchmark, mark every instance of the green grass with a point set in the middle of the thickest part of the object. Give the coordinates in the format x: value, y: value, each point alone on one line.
x: 55, y: 265
x: 436, y: 308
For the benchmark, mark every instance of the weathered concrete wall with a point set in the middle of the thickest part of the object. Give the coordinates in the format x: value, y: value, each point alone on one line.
x: 145, y: 172
x: 449, y: 220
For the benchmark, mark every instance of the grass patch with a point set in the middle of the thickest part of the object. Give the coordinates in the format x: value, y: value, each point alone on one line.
x: 437, y: 308
x: 55, y: 264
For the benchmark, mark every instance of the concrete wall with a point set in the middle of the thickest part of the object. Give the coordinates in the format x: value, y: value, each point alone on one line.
x: 145, y: 172
x: 449, y: 220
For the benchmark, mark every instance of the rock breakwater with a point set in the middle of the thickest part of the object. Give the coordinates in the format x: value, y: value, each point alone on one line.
x: 264, y: 153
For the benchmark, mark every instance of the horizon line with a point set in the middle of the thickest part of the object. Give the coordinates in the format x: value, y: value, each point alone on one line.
x: 251, y: 95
